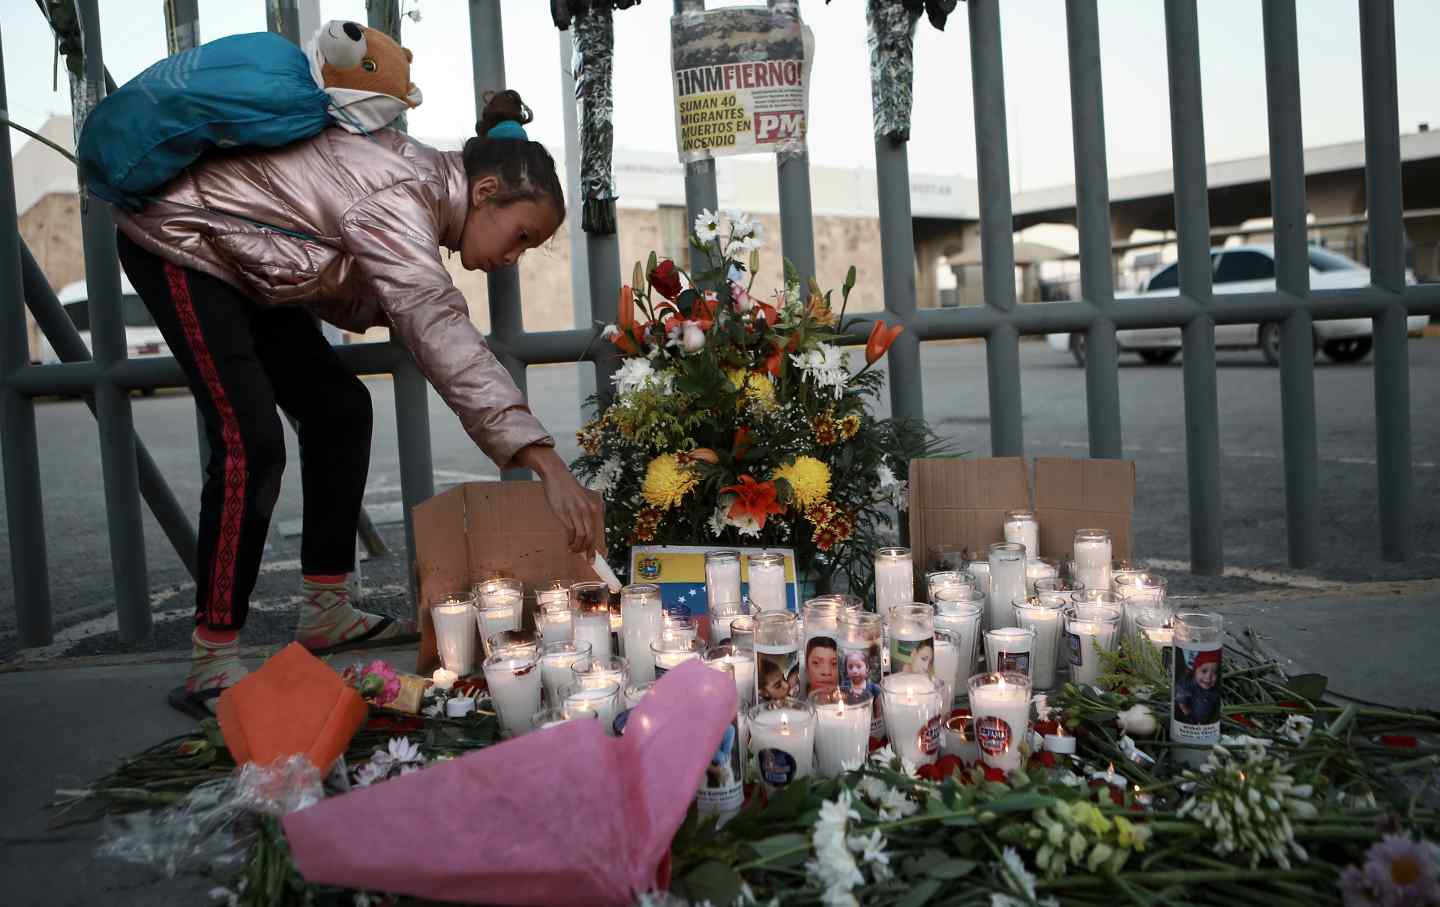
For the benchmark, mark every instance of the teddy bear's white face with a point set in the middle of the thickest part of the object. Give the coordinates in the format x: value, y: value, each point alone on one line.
x: 343, y: 45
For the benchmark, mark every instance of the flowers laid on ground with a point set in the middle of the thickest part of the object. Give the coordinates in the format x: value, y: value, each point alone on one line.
x: 399, y: 757
x: 737, y: 417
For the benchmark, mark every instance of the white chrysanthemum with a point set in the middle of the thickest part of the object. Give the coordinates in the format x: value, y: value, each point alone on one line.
x: 606, y: 477
x: 1297, y: 728
x: 707, y: 226
x: 833, y: 866
x: 740, y: 224
x: 826, y: 366
x: 403, y: 751
x: 871, y: 849
x: 371, y: 772
x: 636, y: 374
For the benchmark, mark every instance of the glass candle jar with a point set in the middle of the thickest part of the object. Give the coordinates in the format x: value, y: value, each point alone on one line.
x: 842, y: 728
x: 861, y: 634
x: 963, y: 616
x: 1038, y: 568
x: 554, y: 594
x: 820, y: 653
x: 894, y: 579
x: 722, y: 790
x: 1092, y: 553
x: 913, y: 715
x: 590, y: 604
x: 777, y: 655
x: 742, y: 668
x: 1009, y: 649
x: 1045, y: 617
x: 782, y: 737
x: 555, y: 622
x: 946, y: 581
x: 1000, y: 705
x: 1195, y: 700
x: 911, y: 631
x: 513, y: 679
x: 742, y: 632
x: 1021, y: 528
x: 641, y: 621
x: 1007, y: 582
x: 946, y: 557
x: 669, y: 652
x: 454, y: 617
x: 556, y: 661
x: 767, y: 582
x: 1090, y: 629
x: 500, y: 603
x: 722, y: 614
x: 722, y: 576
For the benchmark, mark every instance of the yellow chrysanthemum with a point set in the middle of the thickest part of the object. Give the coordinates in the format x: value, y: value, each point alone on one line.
x: 667, y: 481
x: 758, y: 387
x: 809, y: 479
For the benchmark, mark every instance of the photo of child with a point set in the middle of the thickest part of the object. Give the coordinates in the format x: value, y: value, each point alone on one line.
x: 862, y: 672
x: 822, y: 664
x: 922, y: 658
x: 722, y: 771
x: 774, y: 672
x: 1197, y: 686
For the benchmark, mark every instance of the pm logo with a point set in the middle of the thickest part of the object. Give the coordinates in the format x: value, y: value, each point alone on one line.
x: 649, y: 568
x: 780, y: 124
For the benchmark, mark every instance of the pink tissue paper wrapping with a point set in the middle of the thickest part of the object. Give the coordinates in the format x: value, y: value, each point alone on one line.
x: 565, y: 815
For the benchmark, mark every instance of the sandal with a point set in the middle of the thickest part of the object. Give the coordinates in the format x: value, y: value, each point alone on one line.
x: 197, y: 704
x: 377, y: 636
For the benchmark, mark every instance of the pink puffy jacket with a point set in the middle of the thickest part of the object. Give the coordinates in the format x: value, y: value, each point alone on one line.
x: 378, y: 209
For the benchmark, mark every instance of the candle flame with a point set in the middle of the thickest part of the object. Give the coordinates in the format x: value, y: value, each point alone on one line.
x: 840, y: 712
x: 1059, y: 730
x: 1110, y: 772
x: 784, y: 724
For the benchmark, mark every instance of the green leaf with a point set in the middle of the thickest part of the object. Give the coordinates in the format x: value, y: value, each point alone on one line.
x: 712, y: 881
x: 951, y: 868
x: 920, y: 894
x: 790, y: 802
x: 1308, y: 686
x: 769, y: 847
x: 1019, y: 801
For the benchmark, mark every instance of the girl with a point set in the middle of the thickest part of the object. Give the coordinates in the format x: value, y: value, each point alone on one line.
x: 237, y: 256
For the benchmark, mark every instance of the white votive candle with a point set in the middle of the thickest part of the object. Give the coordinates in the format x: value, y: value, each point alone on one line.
x: 1092, y: 555
x: 962, y: 616
x: 913, y: 716
x: 722, y: 576
x: 555, y: 623
x: 1008, y: 649
x: 782, y: 736
x: 590, y: 605
x: 1090, y: 630
x: 1060, y: 743
x: 454, y: 618
x: 894, y: 579
x: 820, y: 652
x: 513, y: 678
x: 1022, y: 528
x: 459, y: 707
x: 642, y: 619
x: 669, y: 652
x: 742, y: 666
x: 1045, y: 619
x: 980, y: 569
x: 767, y: 582
x: 722, y: 614
x: 554, y: 594
x: 557, y: 659
x: 1000, y: 702
x: 947, y: 583
x: 1037, y: 569
x: 947, y: 657
x: 499, y: 611
x: 1007, y: 582
x: 960, y: 738
x: 597, y: 695
x: 842, y: 729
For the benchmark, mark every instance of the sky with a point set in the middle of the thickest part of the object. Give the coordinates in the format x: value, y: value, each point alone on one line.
x: 1132, y: 40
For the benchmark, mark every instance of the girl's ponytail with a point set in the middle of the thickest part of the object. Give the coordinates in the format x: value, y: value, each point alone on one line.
x: 500, y: 148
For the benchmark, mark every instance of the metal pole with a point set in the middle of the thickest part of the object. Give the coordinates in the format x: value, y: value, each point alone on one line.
x: 1292, y: 276
x: 182, y: 25
x: 700, y: 191
x: 112, y: 402
x: 1092, y: 217
x: 997, y: 236
x: 283, y: 16
x: 1387, y: 272
x: 897, y: 261
x: 68, y: 345
x: 487, y: 55
x: 19, y: 444
x: 579, y: 251
x: 792, y: 168
x: 1192, y: 223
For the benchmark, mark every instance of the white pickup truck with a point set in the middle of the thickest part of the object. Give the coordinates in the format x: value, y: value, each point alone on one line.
x: 1249, y: 269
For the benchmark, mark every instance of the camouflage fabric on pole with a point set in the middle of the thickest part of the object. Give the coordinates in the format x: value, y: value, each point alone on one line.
x: 890, y: 35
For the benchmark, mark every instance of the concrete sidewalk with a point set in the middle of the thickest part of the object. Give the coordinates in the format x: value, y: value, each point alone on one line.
x: 69, y: 724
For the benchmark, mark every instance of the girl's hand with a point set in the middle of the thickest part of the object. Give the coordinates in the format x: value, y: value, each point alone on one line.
x: 575, y: 506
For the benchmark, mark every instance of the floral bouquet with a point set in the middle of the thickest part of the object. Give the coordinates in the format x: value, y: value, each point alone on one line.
x: 737, y: 419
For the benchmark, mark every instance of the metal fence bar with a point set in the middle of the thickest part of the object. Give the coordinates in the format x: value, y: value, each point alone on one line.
x: 792, y: 170
x: 487, y: 56
x: 112, y: 402
x: 997, y: 232
x: 19, y: 443
x: 1387, y: 272
x: 70, y: 347
x: 701, y: 193
x: 1192, y: 222
x: 283, y: 16
x: 1292, y: 276
x: 1092, y: 218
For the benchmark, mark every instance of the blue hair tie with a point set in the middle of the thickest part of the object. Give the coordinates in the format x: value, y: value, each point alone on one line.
x: 507, y: 129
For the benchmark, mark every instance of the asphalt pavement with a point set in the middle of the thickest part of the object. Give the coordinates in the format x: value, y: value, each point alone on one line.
x: 956, y: 403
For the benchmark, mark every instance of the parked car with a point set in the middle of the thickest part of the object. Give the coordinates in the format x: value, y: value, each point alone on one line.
x: 1249, y: 269
x: 142, y: 337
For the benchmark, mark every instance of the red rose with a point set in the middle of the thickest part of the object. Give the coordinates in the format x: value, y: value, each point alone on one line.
x: 994, y: 774
x: 1399, y: 741
x: 1046, y: 727
x: 1045, y: 758
x: 665, y: 279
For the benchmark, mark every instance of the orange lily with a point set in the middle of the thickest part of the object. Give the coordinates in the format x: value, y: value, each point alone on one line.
x: 754, y: 501
x: 881, y: 337
x: 773, y: 362
x: 742, y: 440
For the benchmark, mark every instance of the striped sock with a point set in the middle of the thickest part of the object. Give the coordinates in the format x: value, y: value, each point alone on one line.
x: 326, y: 615
x: 214, y: 663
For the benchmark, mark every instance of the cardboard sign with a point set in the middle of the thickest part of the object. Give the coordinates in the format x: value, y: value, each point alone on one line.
x: 679, y: 571
x: 963, y: 501
x: 480, y: 529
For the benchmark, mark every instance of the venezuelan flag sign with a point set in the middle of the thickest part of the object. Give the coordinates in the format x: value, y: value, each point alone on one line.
x: 679, y: 571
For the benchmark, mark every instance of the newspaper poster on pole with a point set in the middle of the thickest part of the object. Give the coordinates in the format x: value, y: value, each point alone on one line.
x: 742, y: 81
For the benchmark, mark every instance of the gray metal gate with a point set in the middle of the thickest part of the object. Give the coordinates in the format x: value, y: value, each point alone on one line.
x: 128, y: 472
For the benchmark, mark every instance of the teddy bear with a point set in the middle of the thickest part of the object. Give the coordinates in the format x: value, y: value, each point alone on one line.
x: 365, y: 72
